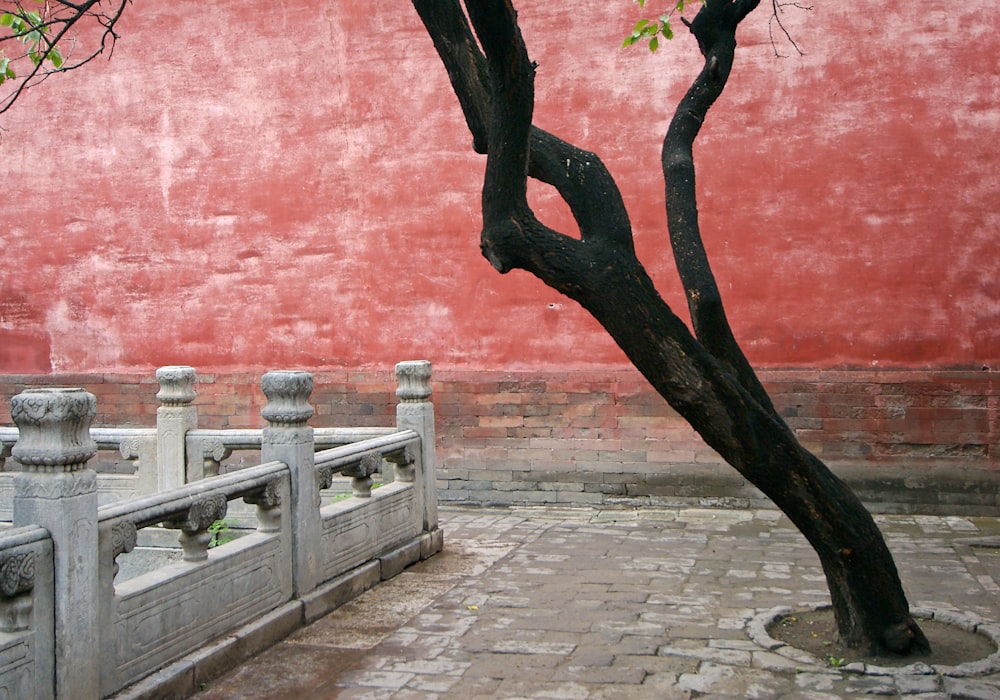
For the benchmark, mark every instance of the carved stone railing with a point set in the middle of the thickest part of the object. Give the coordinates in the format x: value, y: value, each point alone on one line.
x: 176, y: 451
x: 105, y: 630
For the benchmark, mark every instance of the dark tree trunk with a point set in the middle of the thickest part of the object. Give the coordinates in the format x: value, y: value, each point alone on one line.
x: 704, y: 376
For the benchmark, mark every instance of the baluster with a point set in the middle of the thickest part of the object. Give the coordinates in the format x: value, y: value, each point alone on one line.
x: 403, y: 460
x: 268, y: 504
x: 17, y: 579
x: 194, y: 524
x: 361, y: 474
x: 123, y: 540
x: 4, y: 453
x: 324, y: 480
x: 213, y: 452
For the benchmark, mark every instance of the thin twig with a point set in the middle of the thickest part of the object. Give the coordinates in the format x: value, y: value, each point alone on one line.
x: 777, y: 7
x: 75, y: 12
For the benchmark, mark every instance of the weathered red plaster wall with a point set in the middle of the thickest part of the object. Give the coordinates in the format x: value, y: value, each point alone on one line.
x: 296, y: 189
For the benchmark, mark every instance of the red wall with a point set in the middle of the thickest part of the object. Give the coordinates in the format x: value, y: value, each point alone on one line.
x: 252, y: 185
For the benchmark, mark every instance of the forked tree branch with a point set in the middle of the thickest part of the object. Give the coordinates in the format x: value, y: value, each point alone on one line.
x: 601, y: 270
x: 728, y: 409
x: 575, y: 173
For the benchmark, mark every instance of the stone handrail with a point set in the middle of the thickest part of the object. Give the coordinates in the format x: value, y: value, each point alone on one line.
x: 386, y: 444
x: 214, y: 446
x: 159, y: 507
x: 250, y: 438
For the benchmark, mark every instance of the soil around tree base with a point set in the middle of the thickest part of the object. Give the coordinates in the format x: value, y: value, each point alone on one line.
x: 815, y: 631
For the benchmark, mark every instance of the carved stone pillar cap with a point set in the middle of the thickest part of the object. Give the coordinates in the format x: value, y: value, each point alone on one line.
x: 287, y: 395
x: 176, y: 385
x: 53, y: 427
x: 413, y: 380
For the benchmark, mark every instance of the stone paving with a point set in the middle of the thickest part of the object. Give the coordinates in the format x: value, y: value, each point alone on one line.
x: 575, y: 603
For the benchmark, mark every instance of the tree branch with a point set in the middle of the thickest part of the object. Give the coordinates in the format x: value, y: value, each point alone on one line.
x: 714, y: 27
x: 575, y: 173
x: 449, y: 30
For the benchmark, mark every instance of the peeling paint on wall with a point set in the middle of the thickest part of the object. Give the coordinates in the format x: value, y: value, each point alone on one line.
x: 248, y: 201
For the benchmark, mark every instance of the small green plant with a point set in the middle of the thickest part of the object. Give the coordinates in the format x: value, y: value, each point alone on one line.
x: 647, y: 29
x: 221, y: 534
x: 31, y: 29
x: 835, y: 661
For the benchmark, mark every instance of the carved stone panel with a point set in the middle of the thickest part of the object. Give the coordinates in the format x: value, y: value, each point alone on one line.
x: 159, y: 619
x: 353, y: 537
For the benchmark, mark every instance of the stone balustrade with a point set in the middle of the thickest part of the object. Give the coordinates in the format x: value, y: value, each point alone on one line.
x: 72, y: 627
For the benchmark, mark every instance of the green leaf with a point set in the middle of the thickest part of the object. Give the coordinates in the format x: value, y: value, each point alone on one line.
x: 668, y: 33
x: 6, y: 19
x: 55, y: 56
x: 640, y: 25
x: 654, y: 44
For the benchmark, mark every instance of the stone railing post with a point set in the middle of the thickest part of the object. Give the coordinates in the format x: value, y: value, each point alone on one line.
x: 174, y: 418
x: 55, y: 490
x: 288, y: 439
x: 416, y: 412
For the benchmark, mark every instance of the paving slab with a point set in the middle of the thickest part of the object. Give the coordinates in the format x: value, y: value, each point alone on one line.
x: 585, y: 603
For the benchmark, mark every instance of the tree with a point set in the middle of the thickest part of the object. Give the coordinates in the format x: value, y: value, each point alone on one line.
x: 43, y: 40
x: 703, y: 375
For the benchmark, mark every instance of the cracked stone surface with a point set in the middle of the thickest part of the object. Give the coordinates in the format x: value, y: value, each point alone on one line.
x: 580, y: 603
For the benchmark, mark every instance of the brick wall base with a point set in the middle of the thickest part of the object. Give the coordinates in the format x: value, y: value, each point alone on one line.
x: 908, y: 441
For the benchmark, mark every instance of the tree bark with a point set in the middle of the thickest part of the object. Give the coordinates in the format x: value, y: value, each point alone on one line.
x: 704, y: 376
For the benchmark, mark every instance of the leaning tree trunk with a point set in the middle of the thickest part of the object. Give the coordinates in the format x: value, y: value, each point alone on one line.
x: 704, y: 376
